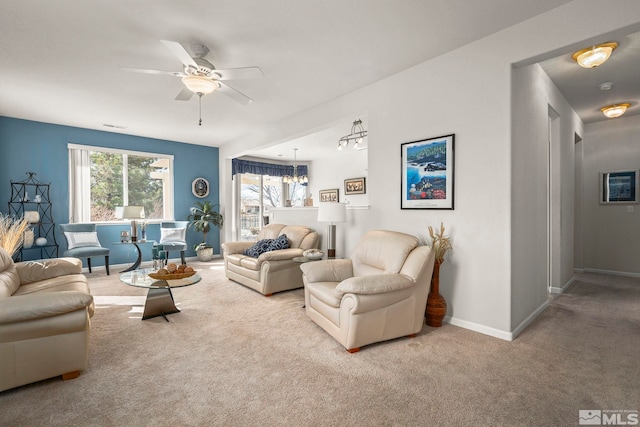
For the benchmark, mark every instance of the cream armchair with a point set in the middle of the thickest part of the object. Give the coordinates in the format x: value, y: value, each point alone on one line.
x: 380, y: 293
x: 272, y: 271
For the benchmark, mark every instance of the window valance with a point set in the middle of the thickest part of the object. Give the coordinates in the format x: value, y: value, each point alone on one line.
x: 260, y: 168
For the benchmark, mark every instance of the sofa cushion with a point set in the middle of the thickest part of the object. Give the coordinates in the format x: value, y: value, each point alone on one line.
x: 258, y: 248
x: 81, y: 239
x: 295, y: 234
x: 9, y: 278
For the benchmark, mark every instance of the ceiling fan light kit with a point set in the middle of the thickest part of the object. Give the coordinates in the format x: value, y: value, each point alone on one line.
x: 200, y: 84
x: 615, y: 110
x: 594, y: 56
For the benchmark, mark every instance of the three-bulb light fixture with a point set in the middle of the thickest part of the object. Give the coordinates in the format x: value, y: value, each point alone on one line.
x: 593, y: 57
x: 289, y: 179
x: 357, y: 135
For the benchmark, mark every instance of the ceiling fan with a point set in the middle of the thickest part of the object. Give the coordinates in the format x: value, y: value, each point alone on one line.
x: 201, y: 76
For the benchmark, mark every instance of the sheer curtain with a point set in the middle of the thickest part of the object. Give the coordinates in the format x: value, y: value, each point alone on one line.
x: 79, y: 185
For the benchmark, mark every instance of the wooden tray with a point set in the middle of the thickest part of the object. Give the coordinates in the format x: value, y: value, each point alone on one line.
x: 171, y: 276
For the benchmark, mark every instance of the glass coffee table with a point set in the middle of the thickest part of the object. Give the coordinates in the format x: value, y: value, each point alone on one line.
x: 160, y: 300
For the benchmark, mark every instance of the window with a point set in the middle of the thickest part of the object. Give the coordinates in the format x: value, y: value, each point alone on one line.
x: 102, y: 179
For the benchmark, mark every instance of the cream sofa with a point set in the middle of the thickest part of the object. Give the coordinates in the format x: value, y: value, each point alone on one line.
x: 273, y: 271
x: 378, y: 294
x: 45, y: 310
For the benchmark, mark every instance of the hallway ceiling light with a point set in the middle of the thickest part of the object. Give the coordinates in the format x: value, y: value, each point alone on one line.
x: 594, y: 56
x: 357, y: 135
x: 295, y: 178
x: 615, y: 110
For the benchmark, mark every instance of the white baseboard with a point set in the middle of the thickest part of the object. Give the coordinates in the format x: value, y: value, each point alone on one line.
x: 528, y: 320
x: 611, y: 272
x: 476, y: 327
x: 578, y: 270
x: 557, y: 290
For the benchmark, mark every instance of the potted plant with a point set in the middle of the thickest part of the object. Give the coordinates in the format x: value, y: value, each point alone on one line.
x: 202, y: 218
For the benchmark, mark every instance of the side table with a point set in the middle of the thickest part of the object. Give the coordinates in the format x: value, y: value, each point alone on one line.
x: 136, y: 264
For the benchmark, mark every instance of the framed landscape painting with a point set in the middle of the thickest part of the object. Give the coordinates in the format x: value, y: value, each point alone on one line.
x: 427, y: 173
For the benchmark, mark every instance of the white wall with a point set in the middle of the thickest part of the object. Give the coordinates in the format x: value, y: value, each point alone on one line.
x: 612, y: 234
x: 331, y: 173
x: 535, y: 163
x: 466, y: 92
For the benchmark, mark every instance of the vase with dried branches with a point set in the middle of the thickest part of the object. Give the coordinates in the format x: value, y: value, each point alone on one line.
x: 12, y: 233
x: 436, y: 304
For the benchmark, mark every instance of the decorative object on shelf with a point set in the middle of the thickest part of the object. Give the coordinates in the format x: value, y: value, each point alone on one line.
x: 332, y: 213
x: 594, y: 56
x: 12, y: 231
x: 133, y: 213
x: 436, y: 304
x: 38, y: 215
x: 202, y: 217
x: 200, y: 187
x: 289, y: 179
x: 28, y: 238
x: 41, y: 241
x: 354, y: 186
x: 619, y: 187
x: 124, y: 237
x: 357, y: 135
x: 427, y: 173
x: 329, y: 195
x: 615, y: 110
x: 143, y: 231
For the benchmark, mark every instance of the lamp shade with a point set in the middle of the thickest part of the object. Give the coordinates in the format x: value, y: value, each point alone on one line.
x: 200, y: 84
x: 332, y: 212
x: 133, y: 212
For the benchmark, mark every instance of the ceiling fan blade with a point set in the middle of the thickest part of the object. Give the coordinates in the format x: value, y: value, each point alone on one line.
x: 239, y: 73
x: 145, y: 71
x: 236, y: 95
x: 180, y: 52
x: 184, y: 95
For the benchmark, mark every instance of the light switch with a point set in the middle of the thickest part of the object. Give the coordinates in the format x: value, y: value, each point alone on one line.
x: 629, y: 209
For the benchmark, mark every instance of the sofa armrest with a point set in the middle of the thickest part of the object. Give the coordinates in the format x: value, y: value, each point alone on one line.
x: 20, y: 308
x: 373, y: 284
x: 330, y: 270
x: 280, y: 254
x: 236, y: 247
x: 35, y: 271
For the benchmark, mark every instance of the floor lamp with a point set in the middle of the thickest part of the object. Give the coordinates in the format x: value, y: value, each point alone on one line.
x: 133, y: 213
x: 332, y: 213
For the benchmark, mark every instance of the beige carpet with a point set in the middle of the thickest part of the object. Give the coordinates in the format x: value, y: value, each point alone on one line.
x: 233, y: 357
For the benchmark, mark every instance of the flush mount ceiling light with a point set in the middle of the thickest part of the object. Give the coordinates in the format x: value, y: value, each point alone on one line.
x: 287, y: 179
x: 594, y: 56
x: 615, y: 110
x: 357, y: 134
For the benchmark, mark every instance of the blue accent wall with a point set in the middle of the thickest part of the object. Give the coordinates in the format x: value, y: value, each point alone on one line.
x: 28, y: 146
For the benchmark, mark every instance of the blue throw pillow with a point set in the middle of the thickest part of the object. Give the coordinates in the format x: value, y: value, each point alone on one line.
x: 280, y: 243
x: 258, y: 248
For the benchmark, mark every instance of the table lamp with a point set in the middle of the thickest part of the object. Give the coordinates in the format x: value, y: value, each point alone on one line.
x: 133, y: 213
x: 332, y: 213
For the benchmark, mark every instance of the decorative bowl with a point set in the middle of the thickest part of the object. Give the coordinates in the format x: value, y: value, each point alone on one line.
x: 314, y: 256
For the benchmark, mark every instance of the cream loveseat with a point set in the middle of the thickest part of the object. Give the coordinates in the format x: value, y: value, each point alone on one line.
x: 45, y: 307
x: 272, y: 271
x: 380, y: 293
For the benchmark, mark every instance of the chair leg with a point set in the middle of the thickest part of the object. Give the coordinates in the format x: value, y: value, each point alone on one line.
x: 166, y: 259
x: 106, y: 263
x: 89, y: 264
x: 184, y: 261
x: 70, y: 375
x: 353, y: 350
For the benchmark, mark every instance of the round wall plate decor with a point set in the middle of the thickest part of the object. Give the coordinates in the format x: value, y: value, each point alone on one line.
x: 200, y: 187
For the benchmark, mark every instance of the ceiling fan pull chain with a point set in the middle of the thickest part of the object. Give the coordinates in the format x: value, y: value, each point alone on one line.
x: 200, y: 109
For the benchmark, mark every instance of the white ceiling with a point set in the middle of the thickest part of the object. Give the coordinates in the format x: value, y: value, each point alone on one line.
x: 581, y: 87
x: 61, y: 60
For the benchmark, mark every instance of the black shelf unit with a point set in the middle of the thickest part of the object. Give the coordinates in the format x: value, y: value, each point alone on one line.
x: 23, y: 198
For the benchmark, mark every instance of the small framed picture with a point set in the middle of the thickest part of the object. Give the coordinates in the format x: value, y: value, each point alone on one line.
x: 329, y: 195
x: 355, y: 186
x: 619, y: 187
